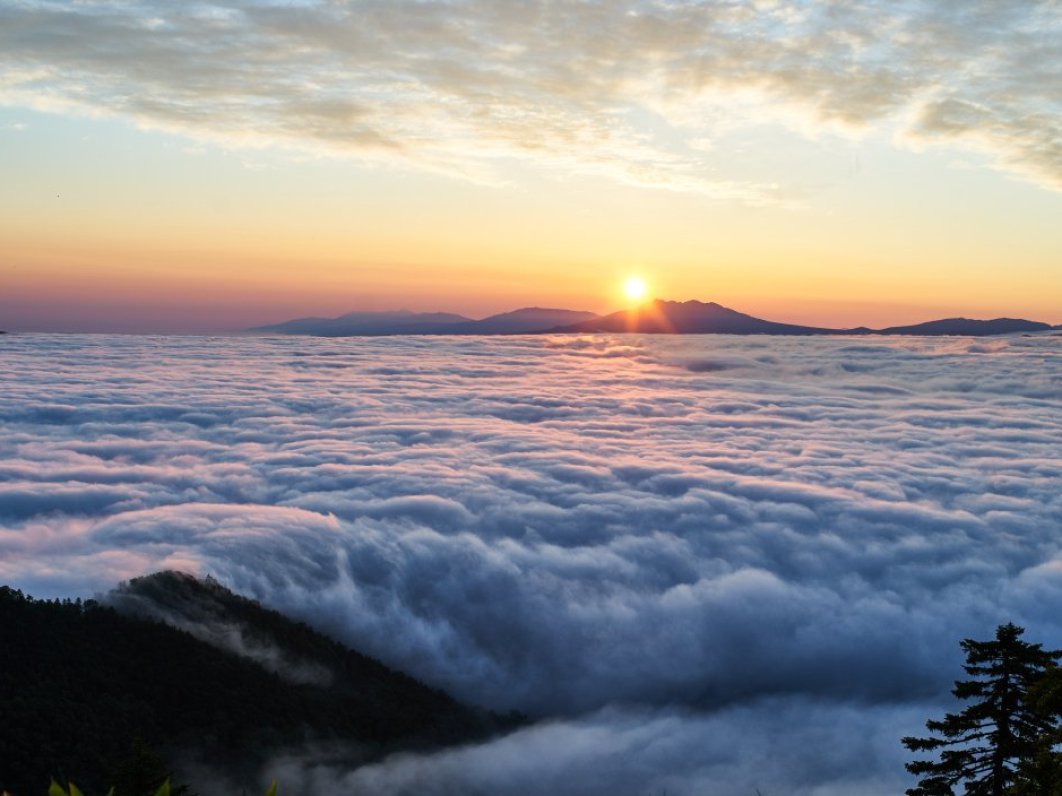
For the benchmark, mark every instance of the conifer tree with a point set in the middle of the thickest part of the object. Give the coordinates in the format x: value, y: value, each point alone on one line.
x: 983, y: 745
x: 1042, y: 775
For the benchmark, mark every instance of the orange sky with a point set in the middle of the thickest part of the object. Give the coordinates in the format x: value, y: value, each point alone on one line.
x: 146, y: 197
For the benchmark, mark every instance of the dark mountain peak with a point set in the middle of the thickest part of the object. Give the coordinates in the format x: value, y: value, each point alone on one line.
x: 965, y: 327
x: 527, y: 320
x: 707, y: 308
x: 177, y: 593
x: 537, y: 311
x: 692, y: 303
x: 369, y: 323
x: 658, y: 316
x: 213, y: 614
x: 661, y: 316
x: 373, y: 314
x: 402, y: 316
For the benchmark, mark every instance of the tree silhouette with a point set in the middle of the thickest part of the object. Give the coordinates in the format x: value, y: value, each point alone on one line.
x: 983, y: 745
x: 1042, y: 774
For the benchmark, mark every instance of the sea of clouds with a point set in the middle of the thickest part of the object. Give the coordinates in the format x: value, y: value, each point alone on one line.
x: 708, y: 565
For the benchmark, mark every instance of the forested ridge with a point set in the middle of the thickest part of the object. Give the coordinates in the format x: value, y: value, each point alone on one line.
x: 117, y: 697
x: 81, y: 682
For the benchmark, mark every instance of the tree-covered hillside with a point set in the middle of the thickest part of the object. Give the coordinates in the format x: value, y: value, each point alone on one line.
x: 80, y: 681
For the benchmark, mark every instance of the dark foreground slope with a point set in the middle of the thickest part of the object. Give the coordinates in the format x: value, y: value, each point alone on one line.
x: 78, y: 682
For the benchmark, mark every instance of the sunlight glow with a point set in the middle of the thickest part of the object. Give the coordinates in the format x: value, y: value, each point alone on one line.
x: 635, y: 288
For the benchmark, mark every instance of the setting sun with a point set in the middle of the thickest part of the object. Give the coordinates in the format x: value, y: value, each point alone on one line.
x: 634, y: 288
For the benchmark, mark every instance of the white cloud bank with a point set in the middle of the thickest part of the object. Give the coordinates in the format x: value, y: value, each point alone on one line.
x: 693, y: 551
x: 632, y: 89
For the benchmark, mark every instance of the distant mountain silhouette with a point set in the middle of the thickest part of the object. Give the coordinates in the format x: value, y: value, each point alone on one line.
x: 653, y: 317
x: 196, y: 672
x: 524, y: 321
x: 688, y: 317
x: 695, y: 317
x: 967, y: 327
x: 368, y: 324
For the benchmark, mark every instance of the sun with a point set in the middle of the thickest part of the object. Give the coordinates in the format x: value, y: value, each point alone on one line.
x: 635, y: 288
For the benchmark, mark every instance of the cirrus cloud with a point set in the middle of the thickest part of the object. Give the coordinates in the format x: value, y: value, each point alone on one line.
x: 635, y: 90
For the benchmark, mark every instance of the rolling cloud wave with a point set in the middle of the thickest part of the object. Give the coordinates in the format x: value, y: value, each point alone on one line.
x: 714, y: 537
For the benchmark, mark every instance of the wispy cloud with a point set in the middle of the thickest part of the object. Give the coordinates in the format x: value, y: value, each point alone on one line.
x: 629, y: 89
x: 748, y: 749
x: 560, y: 525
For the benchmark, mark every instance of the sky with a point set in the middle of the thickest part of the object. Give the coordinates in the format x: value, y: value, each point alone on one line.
x: 702, y: 564
x: 207, y: 166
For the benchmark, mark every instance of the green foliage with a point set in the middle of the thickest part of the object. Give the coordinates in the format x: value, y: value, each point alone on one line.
x: 1040, y: 775
x: 992, y: 746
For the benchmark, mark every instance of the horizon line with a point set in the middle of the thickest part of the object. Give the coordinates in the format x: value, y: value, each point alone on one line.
x: 260, y: 328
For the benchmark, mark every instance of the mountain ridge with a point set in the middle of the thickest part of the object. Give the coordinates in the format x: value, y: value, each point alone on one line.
x: 198, y: 673
x: 527, y: 320
x: 657, y: 316
x: 688, y: 317
x: 968, y: 327
x: 368, y: 324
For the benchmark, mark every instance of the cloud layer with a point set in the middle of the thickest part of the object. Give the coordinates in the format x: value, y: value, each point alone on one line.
x: 636, y: 90
x: 705, y: 535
